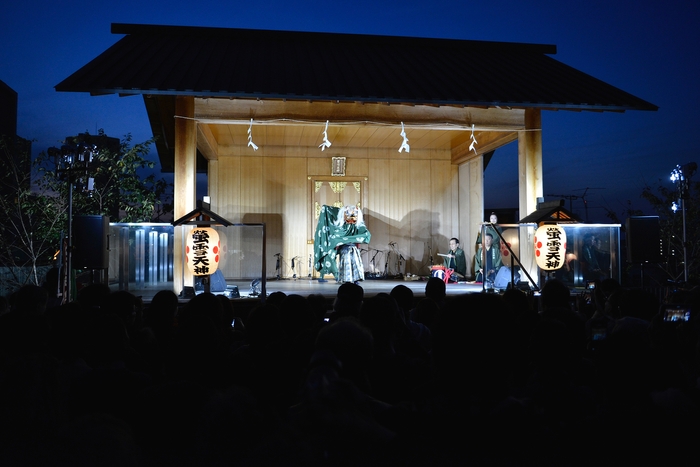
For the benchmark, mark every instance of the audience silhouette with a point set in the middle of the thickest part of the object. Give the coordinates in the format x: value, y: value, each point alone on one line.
x: 389, y: 379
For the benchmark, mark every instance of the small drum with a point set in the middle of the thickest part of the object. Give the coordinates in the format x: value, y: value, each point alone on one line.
x: 441, y: 272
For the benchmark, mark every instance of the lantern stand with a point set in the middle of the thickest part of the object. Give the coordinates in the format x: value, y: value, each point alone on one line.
x: 203, y: 218
x: 513, y: 257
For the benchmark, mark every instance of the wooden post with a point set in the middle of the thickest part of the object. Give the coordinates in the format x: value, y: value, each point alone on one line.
x: 185, y: 180
x: 530, y: 162
x: 530, y: 178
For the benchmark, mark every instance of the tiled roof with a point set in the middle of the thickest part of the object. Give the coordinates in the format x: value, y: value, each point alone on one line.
x: 242, y: 63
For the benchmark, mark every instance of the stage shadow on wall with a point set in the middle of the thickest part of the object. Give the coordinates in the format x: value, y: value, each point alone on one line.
x: 403, y: 246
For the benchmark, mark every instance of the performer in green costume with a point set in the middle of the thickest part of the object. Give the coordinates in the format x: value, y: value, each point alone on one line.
x: 339, y: 232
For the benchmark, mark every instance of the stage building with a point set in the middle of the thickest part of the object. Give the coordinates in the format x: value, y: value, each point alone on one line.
x: 285, y: 122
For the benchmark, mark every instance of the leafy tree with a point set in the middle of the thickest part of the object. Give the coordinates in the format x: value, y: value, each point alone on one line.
x: 661, y: 197
x: 33, y: 217
x: 629, y: 210
x: 34, y: 198
x: 120, y: 189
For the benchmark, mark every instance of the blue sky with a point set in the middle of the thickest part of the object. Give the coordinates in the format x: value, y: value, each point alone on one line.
x: 649, y: 49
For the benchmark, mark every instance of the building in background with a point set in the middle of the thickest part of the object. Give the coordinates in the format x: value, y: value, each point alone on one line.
x: 19, y: 149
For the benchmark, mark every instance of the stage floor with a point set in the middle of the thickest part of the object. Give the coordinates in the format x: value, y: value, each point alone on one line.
x: 371, y: 287
x: 305, y: 287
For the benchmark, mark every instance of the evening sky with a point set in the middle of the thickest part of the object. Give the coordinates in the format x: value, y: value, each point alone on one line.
x: 649, y: 49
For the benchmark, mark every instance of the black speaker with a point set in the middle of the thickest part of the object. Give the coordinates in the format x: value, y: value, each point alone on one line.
x: 232, y: 291
x: 90, y: 243
x: 217, y: 283
x: 643, y: 239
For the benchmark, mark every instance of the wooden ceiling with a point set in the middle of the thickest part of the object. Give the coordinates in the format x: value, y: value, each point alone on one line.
x: 223, y: 126
x: 227, y: 138
x: 355, y: 136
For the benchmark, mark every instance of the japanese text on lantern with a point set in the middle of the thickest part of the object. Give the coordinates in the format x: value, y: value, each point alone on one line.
x: 554, y: 245
x: 550, y: 247
x: 200, y: 250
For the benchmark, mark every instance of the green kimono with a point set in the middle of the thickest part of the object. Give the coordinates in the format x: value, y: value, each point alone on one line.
x: 458, y: 263
x: 328, y: 236
x: 494, y: 235
x: 493, y: 263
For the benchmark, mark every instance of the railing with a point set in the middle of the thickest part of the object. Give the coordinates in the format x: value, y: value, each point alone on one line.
x: 142, y: 255
x: 12, y: 278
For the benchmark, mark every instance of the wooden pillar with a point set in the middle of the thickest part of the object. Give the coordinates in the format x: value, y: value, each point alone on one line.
x: 530, y: 179
x: 471, y: 207
x: 185, y: 180
x: 530, y: 162
x: 213, y: 184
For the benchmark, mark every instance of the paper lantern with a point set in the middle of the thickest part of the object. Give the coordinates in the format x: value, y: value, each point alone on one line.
x: 511, y: 237
x: 202, y: 251
x: 550, y: 247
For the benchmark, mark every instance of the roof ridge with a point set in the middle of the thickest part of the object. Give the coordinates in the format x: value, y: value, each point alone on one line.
x: 268, y: 34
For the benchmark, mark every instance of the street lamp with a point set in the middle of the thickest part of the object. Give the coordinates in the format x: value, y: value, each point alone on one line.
x: 72, y: 164
x: 682, y: 174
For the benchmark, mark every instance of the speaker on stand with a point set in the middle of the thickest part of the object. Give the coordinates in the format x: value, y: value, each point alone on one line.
x: 91, y: 244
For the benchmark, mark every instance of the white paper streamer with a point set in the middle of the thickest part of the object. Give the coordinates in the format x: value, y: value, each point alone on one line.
x: 251, y: 144
x: 404, y: 145
x: 326, y: 143
x: 471, y: 146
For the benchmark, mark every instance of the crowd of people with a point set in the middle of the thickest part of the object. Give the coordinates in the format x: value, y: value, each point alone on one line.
x: 392, y: 379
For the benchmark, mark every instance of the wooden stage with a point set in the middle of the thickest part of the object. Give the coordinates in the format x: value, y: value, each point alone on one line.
x: 305, y: 287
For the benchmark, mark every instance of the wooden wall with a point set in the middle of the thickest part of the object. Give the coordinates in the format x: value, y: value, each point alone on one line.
x: 410, y: 199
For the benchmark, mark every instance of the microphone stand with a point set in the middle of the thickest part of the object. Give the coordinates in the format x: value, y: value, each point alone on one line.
x: 392, y: 245
x: 372, y: 264
x: 294, y: 273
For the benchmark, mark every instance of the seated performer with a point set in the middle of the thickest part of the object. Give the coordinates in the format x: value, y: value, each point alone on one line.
x: 493, y: 260
x: 338, y: 234
x: 456, y: 261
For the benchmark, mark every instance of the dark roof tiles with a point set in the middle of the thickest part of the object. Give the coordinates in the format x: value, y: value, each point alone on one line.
x: 242, y: 63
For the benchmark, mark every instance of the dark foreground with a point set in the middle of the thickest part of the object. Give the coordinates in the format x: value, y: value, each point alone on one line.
x: 465, y: 379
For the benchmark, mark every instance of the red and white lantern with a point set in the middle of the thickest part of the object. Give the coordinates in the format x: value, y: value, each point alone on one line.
x: 511, y: 237
x: 202, y: 251
x: 550, y: 247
